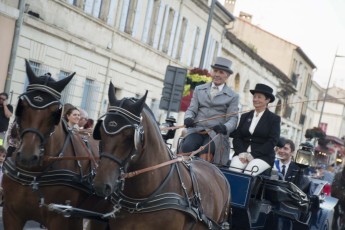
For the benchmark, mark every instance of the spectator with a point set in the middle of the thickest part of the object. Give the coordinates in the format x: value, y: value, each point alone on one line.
x: 13, y: 139
x: 204, y: 120
x: 2, y: 159
x: 284, y: 164
x: 72, y: 117
x: 6, y: 111
x: 328, y: 174
x: 89, y: 124
x: 83, y: 118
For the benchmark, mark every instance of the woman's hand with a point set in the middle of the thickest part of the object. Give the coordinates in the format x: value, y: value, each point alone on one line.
x: 245, y: 157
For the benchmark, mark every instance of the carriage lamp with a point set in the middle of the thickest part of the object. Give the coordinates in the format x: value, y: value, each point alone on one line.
x: 305, y: 155
x: 168, y: 134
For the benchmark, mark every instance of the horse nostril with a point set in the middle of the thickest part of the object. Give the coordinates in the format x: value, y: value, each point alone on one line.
x: 107, y: 190
x: 35, y: 158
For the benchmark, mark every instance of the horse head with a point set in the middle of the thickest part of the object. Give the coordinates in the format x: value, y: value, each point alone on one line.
x: 37, y: 113
x: 119, y: 131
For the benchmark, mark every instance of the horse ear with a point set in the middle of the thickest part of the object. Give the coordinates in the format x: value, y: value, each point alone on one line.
x: 111, y: 94
x: 139, y: 104
x: 30, y: 73
x: 60, y: 85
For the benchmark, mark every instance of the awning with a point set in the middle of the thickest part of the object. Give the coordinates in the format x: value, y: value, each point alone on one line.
x: 324, y: 149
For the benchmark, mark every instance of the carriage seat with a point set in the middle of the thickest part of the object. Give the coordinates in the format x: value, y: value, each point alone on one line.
x: 286, y: 195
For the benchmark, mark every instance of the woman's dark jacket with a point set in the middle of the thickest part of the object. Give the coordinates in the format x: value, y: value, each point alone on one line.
x: 264, y: 138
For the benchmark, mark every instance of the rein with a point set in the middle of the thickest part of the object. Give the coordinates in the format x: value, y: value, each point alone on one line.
x: 180, y: 158
x: 235, y: 113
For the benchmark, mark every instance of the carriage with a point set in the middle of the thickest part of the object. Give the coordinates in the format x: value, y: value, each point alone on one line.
x: 264, y: 203
x: 148, y: 186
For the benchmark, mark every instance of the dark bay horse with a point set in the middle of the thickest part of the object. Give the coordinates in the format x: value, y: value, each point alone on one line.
x: 31, y: 181
x: 151, y: 187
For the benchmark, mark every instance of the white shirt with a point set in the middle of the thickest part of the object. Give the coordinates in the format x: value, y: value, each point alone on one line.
x: 255, y: 121
x: 220, y: 87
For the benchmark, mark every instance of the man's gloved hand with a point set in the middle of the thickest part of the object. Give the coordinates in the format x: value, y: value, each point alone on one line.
x: 189, y: 122
x: 220, y: 129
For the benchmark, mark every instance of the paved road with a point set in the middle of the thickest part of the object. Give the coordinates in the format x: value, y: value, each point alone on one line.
x: 31, y: 225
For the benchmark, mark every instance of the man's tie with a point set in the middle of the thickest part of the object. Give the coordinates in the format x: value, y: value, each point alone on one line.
x: 283, y: 170
x: 214, y: 91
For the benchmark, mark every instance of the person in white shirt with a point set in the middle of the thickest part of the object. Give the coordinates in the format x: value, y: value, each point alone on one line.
x: 284, y: 164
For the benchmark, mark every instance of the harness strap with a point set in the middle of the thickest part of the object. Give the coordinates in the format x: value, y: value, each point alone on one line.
x: 111, y: 157
x: 159, y: 202
x: 49, y: 178
x: 160, y: 187
x: 35, y: 131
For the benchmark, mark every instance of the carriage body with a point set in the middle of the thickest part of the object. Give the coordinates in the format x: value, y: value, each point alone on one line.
x: 264, y: 203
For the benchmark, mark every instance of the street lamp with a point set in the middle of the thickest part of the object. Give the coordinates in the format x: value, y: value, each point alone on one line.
x: 329, y: 80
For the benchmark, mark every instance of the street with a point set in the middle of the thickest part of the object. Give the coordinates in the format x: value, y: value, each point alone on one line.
x: 31, y: 225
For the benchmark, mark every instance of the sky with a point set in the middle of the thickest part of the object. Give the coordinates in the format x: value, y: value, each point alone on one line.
x: 316, y: 26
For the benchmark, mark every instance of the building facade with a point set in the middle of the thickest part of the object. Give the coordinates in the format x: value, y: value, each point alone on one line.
x: 9, y: 13
x: 293, y: 62
x: 128, y: 42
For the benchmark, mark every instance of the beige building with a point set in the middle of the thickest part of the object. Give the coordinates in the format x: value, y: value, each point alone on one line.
x: 333, y: 115
x: 293, y: 62
x: 128, y: 42
x: 131, y: 42
x: 9, y: 13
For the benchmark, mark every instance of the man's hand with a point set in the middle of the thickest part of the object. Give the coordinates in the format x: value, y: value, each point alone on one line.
x: 189, y: 122
x: 220, y: 129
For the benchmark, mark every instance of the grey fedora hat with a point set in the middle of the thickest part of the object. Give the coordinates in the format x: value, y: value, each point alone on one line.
x: 222, y: 64
x: 264, y: 89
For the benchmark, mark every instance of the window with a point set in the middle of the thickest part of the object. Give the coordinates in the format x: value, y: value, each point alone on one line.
x: 148, y: 17
x: 90, y: 96
x: 278, y: 109
x: 156, y: 24
x: 128, y: 16
x: 247, y: 97
x: 68, y: 92
x: 211, y: 52
x: 155, y: 107
x: 237, y: 83
x: 93, y: 7
x: 181, y: 39
x: 215, y: 52
x: 308, y: 86
x: 168, y: 30
x: 153, y: 21
x: 72, y: 2
x: 112, y: 11
x: 195, y: 47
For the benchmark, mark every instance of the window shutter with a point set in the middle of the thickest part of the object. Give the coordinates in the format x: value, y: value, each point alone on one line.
x: 137, y: 18
x: 124, y: 14
x: 172, y: 37
x: 148, y: 17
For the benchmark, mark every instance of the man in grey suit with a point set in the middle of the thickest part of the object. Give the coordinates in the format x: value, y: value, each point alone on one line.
x: 213, y: 110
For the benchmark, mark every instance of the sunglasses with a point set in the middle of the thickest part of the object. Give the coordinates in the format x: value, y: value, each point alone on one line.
x: 1, y: 98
